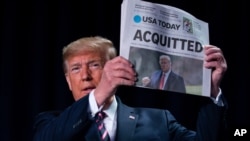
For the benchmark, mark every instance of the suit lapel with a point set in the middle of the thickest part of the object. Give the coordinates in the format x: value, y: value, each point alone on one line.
x: 92, y: 134
x: 126, y: 122
x: 168, y: 82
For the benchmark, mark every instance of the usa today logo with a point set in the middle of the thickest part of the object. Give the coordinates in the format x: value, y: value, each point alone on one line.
x: 137, y: 18
x: 151, y: 20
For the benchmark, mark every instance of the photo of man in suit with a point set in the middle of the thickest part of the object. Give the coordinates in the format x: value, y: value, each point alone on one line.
x: 165, y: 78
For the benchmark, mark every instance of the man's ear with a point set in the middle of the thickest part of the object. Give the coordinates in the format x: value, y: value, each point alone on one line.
x: 68, y: 80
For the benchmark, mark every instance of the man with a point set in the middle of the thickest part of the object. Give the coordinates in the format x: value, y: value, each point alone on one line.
x: 165, y: 78
x: 93, y: 74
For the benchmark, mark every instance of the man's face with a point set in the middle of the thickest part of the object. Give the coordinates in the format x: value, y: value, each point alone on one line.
x: 165, y: 64
x: 84, y: 72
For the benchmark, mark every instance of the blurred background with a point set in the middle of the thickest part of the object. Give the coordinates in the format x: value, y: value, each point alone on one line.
x: 33, y: 34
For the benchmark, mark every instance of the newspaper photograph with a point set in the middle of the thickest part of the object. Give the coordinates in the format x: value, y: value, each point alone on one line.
x: 165, y: 44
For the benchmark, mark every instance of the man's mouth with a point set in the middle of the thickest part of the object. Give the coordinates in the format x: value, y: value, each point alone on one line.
x: 88, y: 89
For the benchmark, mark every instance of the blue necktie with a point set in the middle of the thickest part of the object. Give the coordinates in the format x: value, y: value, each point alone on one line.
x: 100, y: 126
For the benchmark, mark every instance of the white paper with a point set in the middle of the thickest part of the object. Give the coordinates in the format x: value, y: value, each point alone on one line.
x: 149, y: 30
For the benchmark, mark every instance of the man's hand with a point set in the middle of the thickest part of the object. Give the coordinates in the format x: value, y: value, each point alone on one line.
x: 145, y: 81
x: 116, y: 72
x: 214, y: 59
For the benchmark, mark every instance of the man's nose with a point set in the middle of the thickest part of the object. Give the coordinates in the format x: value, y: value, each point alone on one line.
x: 85, y: 73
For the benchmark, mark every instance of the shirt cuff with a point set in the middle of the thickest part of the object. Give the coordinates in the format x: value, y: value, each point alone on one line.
x: 93, y: 105
x: 218, y: 101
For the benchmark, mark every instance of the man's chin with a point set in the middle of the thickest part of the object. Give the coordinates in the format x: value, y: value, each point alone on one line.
x: 83, y: 94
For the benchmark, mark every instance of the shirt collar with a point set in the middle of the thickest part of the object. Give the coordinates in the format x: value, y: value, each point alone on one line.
x: 110, y: 111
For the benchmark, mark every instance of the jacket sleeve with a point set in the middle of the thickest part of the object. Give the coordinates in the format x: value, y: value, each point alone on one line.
x: 212, y: 123
x: 65, y: 125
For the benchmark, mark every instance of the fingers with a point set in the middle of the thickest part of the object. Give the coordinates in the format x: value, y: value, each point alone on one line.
x: 212, y: 53
x: 214, y: 59
x: 120, y: 65
x: 116, y: 72
x: 119, y: 71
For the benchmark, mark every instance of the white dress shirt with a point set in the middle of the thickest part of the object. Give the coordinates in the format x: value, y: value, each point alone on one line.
x: 110, y: 121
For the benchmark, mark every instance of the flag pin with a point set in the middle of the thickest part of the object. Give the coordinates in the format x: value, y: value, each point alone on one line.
x: 131, y: 117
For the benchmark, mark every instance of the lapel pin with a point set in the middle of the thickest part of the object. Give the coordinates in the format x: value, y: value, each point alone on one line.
x: 131, y: 117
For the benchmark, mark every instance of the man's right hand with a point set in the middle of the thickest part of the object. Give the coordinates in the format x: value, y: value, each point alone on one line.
x: 116, y: 72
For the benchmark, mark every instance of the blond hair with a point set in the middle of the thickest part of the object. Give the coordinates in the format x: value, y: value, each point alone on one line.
x: 96, y: 44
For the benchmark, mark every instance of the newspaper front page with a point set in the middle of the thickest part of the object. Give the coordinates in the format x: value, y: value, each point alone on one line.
x: 166, y: 46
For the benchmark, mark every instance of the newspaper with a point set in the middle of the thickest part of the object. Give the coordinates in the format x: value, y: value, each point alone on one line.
x: 150, y: 30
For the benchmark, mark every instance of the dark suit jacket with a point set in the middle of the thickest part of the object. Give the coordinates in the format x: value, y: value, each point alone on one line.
x: 174, y: 82
x: 133, y: 124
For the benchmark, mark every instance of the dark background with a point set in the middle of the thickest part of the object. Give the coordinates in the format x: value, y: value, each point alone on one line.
x: 34, y: 32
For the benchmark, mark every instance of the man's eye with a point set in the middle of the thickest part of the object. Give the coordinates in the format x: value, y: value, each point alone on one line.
x: 75, y: 69
x: 95, y: 65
